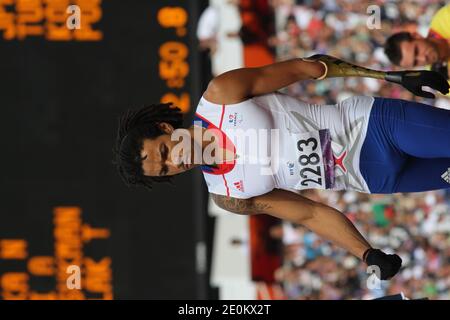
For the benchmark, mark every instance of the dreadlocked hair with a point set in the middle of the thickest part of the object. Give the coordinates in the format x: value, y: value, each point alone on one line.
x: 134, y: 127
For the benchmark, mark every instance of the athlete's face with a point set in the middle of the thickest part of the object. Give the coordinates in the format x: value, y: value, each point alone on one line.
x: 418, y: 52
x: 162, y: 157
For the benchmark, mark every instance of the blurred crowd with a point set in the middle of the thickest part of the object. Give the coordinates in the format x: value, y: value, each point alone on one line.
x: 415, y: 226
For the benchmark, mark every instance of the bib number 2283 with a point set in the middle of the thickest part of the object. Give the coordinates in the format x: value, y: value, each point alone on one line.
x: 314, y: 160
x: 309, y: 160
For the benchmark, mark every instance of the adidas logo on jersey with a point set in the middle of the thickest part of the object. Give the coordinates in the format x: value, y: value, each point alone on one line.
x: 446, y: 175
x: 239, y: 185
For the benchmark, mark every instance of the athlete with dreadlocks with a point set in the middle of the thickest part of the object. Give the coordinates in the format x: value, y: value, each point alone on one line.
x: 366, y: 144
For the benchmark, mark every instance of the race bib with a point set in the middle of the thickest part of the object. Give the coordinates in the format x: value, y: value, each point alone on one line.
x: 311, y: 160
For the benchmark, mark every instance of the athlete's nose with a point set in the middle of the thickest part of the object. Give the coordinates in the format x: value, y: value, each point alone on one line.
x: 174, y: 161
x: 421, y: 58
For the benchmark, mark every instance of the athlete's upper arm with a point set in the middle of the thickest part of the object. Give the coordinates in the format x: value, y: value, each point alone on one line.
x: 241, y: 206
x: 278, y: 203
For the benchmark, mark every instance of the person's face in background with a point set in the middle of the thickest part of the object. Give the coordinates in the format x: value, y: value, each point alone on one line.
x: 418, y: 52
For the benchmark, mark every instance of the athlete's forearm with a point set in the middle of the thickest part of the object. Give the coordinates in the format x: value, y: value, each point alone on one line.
x: 338, y: 68
x: 284, y: 73
x: 337, y: 228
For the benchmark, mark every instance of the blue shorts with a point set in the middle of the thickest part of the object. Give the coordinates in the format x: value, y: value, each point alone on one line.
x: 407, y: 147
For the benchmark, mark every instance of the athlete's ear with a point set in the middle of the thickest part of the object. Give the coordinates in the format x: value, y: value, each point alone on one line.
x: 166, y: 127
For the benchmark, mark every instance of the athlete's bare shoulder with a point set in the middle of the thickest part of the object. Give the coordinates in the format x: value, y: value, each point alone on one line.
x: 227, y: 89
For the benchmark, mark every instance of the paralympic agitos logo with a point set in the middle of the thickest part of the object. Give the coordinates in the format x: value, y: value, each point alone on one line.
x: 290, y: 166
x: 235, y: 118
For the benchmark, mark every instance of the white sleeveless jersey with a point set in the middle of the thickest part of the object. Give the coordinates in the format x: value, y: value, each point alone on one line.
x: 282, y: 142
